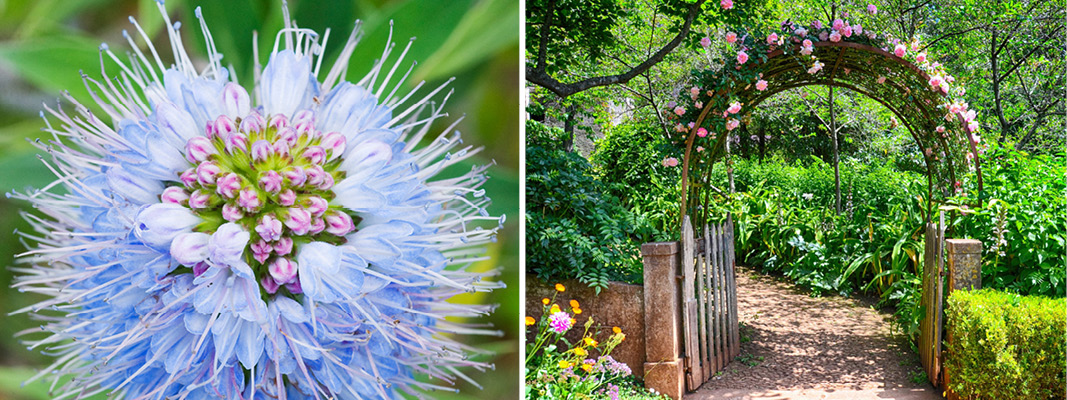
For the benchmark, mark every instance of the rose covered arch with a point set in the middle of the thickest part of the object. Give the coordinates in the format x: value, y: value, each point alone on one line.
x: 899, y: 75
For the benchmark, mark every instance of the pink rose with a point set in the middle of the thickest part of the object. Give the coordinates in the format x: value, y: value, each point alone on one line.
x: 735, y: 108
x: 846, y: 31
x: 727, y: 4
x: 702, y: 132
x: 706, y: 41
x: 772, y: 38
x: 679, y: 110
x: 837, y: 24
x: 731, y: 37
x: 871, y: 9
x: 732, y: 124
x: 921, y: 57
x: 940, y: 128
x: 761, y: 85
x: 899, y: 50
x: 817, y: 24
x: 835, y: 36
x: 742, y: 57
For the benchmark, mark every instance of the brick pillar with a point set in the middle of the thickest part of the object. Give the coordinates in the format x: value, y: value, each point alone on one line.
x: 664, y: 371
x: 964, y: 260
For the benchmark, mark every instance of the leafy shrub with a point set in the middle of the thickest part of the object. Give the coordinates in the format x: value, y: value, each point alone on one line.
x: 1006, y: 346
x: 574, y: 227
x: 631, y: 155
x: 1022, y: 223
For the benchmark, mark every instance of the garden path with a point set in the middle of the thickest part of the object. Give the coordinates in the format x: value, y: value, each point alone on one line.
x: 803, y: 347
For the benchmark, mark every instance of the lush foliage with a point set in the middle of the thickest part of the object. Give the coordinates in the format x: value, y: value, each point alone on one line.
x: 558, y: 369
x: 575, y: 227
x: 1022, y: 222
x: 1006, y: 346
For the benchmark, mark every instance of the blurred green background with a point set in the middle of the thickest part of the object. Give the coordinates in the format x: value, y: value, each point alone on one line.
x: 45, y: 43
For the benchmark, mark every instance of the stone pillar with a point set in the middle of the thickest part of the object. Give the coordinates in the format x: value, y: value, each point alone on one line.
x: 964, y: 258
x: 664, y: 371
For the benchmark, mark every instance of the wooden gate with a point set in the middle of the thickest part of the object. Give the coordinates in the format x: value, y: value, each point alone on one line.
x: 709, y: 298
x: 932, y: 296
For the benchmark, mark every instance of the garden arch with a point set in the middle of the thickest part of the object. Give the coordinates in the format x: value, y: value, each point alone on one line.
x: 939, y: 123
x: 896, y: 74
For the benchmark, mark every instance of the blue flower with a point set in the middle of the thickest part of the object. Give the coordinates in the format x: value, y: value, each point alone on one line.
x: 292, y: 241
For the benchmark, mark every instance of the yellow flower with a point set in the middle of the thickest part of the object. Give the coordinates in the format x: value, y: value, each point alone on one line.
x: 530, y: 321
x: 564, y: 364
x: 587, y: 367
x: 590, y: 341
x: 580, y: 351
x: 560, y: 288
x: 554, y: 309
x: 573, y: 321
x: 577, y: 310
x: 616, y: 329
x: 574, y: 304
x: 545, y: 301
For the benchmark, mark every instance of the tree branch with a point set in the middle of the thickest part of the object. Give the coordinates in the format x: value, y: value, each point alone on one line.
x: 539, y: 77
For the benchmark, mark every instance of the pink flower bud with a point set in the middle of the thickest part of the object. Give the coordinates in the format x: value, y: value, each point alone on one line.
x: 315, y: 205
x: 224, y: 126
x: 303, y: 117
x: 287, y: 135
x: 231, y: 212
x: 315, y: 175
x: 237, y: 142
x: 339, y: 223
x: 206, y: 172
x: 228, y: 185
x: 281, y: 148
x: 317, y: 225
x: 315, y: 154
x: 268, y: 284
x: 188, y: 177
x: 269, y: 228
x: 198, y: 149
x: 283, y: 246
x: 174, y: 195
x: 270, y: 181
x: 335, y: 144
x: 287, y: 197
x: 261, y: 250
x: 298, y: 221
x: 278, y: 121
x: 261, y: 150
x: 252, y: 123
x: 295, y: 176
x: 199, y: 199
x: 294, y: 287
x: 249, y: 199
x: 209, y: 130
x: 283, y: 270
x: 327, y: 182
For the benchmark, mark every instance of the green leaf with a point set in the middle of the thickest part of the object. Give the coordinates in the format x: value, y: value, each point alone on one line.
x: 486, y: 28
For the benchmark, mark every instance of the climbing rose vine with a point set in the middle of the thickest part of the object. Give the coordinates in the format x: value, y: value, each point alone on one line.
x: 289, y: 241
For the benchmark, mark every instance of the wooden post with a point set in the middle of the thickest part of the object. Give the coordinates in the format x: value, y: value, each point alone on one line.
x: 664, y: 370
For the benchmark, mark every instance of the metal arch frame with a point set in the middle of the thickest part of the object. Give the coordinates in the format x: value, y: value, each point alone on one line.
x: 832, y: 80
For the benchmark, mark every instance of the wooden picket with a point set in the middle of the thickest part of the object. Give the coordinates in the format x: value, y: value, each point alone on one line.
x: 930, y: 332
x: 709, y: 298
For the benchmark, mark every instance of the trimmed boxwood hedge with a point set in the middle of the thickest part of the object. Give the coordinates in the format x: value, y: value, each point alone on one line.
x: 1006, y: 346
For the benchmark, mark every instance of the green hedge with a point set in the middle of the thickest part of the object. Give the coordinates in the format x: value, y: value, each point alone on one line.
x: 1006, y: 346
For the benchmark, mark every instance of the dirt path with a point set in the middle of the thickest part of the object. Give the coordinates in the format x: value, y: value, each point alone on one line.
x: 802, y: 347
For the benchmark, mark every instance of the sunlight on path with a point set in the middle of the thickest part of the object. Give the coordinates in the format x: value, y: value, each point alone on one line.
x: 814, y: 348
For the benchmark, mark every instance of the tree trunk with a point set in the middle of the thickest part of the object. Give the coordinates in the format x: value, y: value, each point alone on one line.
x: 568, y: 129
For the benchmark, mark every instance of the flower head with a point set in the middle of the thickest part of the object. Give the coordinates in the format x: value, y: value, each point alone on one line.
x: 731, y: 37
x: 761, y: 85
x: 560, y: 322
x: 742, y: 57
x: 283, y: 240
x: 705, y: 42
x: 726, y: 4
x: 872, y: 9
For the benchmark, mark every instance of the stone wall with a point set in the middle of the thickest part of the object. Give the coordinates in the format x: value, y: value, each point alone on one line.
x: 620, y: 305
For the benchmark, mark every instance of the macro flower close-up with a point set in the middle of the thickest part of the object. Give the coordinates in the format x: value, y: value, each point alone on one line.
x: 290, y: 233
